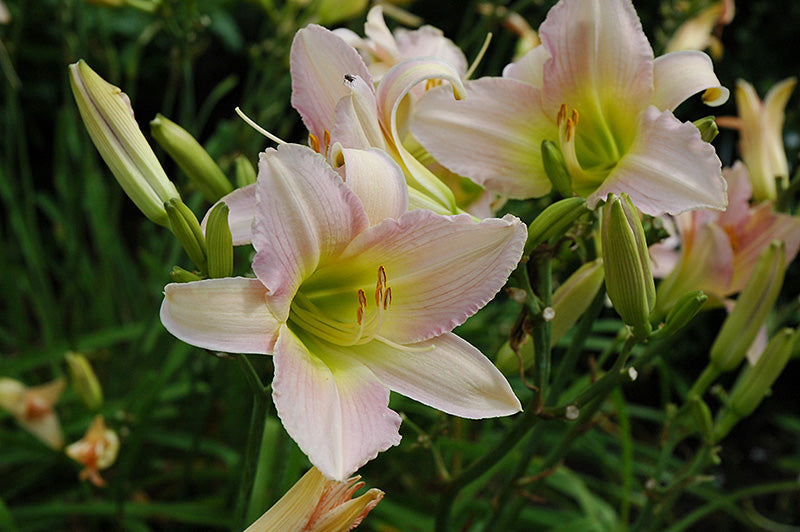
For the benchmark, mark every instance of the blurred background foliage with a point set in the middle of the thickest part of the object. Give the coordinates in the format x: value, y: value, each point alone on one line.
x: 82, y: 270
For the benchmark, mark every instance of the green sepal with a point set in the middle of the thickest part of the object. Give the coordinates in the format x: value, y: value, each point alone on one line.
x: 554, y: 221
x: 244, y: 171
x: 180, y: 275
x: 556, y: 168
x: 186, y: 228
x: 708, y: 128
x: 219, y: 242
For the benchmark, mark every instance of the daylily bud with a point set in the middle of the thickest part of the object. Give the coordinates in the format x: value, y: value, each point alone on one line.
x: 332, y: 11
x: 751, y: 309
x: 180, y: 275
x: 108, y: 117
x: 316, y: 504
x: 84, y: 380
x: 219, y: 242
x: 756, y: 382
x: 97, y: 450
x: 32, y: 408
x: 554, y: 221
x: 245, y: 171
x: 193, y: 159
x: 186, y: 228
x: 570, y: 301
x: 686, y: 308
x: 707, y: 127
x: 629, y: 282
x: 556, y: 169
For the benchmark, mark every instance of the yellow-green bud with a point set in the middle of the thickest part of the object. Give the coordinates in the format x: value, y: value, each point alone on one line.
x: 708, y: 128
x: 629, y: 282
x: 681, y: 313
x: 751, y: 309
x: 219, y: 242
x: 756, y: 381
x: 84, y: 380
x: 180, y: 275
x: 245, y: 171
x: 332, y: 11
x: 193, y: 159
x: 570, y: 301
x: 554, y: 221
x: 108, y: 117
x: 556, y: 168
x: 186, y: 228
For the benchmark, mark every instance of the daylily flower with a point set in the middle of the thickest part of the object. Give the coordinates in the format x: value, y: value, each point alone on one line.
x: 594, y: 88
x: 336, y: 97
x: 97, y: 450
x: 316, y: 504
x: 702, y: 31
x: 719, y: 250
x: 381, y: 48
x: 760, y: 125
x: 32, y: 408
x: 354, y: 295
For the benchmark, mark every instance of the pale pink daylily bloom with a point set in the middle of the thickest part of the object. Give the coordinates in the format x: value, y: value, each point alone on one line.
x: 341, y: 106
x: 33, y: 408
x: 382, y: 49
x: 354, y: 296
x: 718, y: 251
x: 594, y: 88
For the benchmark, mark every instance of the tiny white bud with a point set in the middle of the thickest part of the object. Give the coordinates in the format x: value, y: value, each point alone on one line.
x: 548, y: 314
x: 632, y: 373
x: 572, y: 412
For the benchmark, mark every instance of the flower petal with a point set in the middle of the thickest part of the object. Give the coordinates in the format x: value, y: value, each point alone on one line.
x: 220, y: 314
x: 598, y: 53
x: 441, y: 270
x: 305, y: 215
x: 667, y: 169
x: 453, y: 376
x: 488, y: 135
x: 242, y: 207
x: 333, y: 407
x: 377, y: 181
x: 356, y: 123
x: 678, y: 75
x: 319, y: 59
x: 529, y: 68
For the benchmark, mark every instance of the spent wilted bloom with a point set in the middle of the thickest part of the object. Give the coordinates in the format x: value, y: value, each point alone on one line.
x: 316, y: 504
x: 718, y: 250
x: 594, y: 88
x: 107, y: 114
x: 760, y: 126
x: 32, y: 408
x: 97, y: 450
x: 354, y: 295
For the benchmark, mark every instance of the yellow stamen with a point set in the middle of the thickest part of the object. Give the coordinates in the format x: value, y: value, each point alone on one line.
x: 313, y: 141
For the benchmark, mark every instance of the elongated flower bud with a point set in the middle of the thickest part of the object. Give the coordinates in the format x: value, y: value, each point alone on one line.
x: 193, y: 159
x: 219, y: 242
x: 186, y: 228
x: 84, y: 380
x: 629, y: 282
x: 245, y: 171
x: 751, y: 309
x: 108, y: 117
x: 682, y: 312
x: 708, y: 128
x: 556, y: 169
x: 756, y: 382
x: 554, y: 221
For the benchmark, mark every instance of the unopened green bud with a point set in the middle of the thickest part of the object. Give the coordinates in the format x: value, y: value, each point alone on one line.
x: 84, y: 380
x: 629, y: 282
x: 708, y: 128
x: 332, y: 11
x: 556, y: 169
x: 554, y: 221
x: 698, y: 417
x: 751, y: 309
x: 754, y: 384
x: 219, y: 242
x: 570, y: 301
x: 186, y: 228
x: 245, y: 171
x: 108, y: 117
x: 193, y: 159
x: 682, y: 312
x: 180, y: 275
